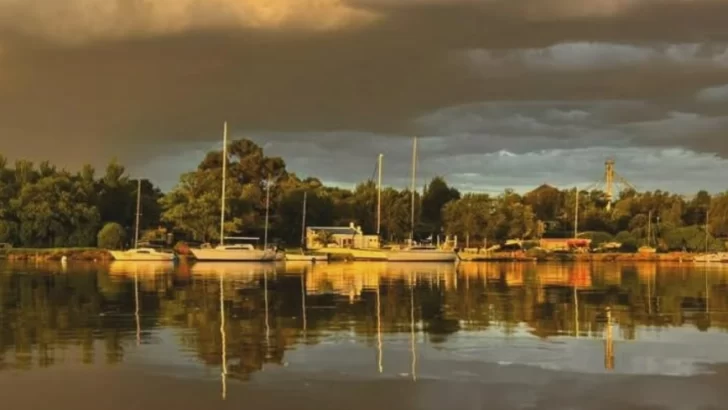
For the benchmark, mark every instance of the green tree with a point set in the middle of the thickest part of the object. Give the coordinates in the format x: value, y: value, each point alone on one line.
x: 112, y: 236
x: 468, y: 217
x: 437, y: 194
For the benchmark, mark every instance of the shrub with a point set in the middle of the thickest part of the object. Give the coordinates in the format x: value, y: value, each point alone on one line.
x: 111, y: 236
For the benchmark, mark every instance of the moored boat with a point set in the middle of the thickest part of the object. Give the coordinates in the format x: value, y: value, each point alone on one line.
x: 720, y: 257
x: 142, y: 254
x: 234, y: 253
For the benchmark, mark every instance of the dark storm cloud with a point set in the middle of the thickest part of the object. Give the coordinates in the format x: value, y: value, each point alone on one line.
x: 85, y: 79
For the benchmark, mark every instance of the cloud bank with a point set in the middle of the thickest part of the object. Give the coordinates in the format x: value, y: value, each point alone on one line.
x: 85, y: 80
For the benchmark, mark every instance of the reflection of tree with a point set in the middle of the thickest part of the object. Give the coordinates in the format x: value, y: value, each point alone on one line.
x: 41, y: 314
x: 90, y: 310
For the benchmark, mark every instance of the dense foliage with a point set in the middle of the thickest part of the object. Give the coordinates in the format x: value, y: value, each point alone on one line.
x: 42, y: 206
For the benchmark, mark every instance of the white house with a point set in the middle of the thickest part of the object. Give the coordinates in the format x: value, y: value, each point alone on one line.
x: 340, y: 237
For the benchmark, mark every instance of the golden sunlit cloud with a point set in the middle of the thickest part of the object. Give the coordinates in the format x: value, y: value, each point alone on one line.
x: 78, y: 21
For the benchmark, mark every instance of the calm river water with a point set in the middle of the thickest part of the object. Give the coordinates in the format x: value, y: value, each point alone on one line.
x: 363, y: 336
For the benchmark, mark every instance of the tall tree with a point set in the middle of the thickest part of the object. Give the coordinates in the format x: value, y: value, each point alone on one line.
x: 437, y: 194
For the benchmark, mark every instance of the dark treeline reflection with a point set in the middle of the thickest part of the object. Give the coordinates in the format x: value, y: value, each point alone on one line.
x: 260, y: 311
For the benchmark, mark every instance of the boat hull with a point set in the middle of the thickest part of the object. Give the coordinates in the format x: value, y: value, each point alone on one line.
x: 131, y: 256
x: 712, y: 258
x: 293, y: 257
x: 233, y: 255
x: 420, y: 256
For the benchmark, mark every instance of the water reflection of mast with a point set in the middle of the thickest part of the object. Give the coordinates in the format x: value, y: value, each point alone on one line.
x: 412, y: 328
x: 136, y: 306
x: 223, y: 338
x: 707, y: 295
x: 576, y: 312
x: 267, y: 323
x: 649, y: 294
x: 609, y: 343
x: 303, y: 302
x: 379, y: 332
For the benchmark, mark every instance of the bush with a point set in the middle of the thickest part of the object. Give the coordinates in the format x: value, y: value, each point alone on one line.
x: 628, y: 241
x: 111, y: 236
x: 598, y: 238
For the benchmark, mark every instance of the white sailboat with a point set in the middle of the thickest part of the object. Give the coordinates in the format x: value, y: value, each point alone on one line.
x: 413, y: 252
x: 716, y: 257
x: 235, y: 252
x: 137, y: 253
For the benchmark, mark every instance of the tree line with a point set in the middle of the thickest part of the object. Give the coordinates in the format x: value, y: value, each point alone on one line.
x: 43, y: 206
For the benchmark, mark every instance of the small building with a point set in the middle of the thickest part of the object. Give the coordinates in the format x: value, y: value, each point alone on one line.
x: 351, y: 236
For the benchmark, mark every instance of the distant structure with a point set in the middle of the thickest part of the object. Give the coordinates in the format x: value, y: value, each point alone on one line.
x: 612, y: 183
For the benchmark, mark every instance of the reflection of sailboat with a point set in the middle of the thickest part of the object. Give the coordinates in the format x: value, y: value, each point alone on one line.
x: 141, y: 254
x: 609, y: 343
x: 303, y: 303
x: 379, y: 332
x: 223, y: 339
x: 238, y: 252
x: 230, y: 268
x: 139, y: 267
x: 412, y: 328
x: 267, y: 322
x: 136, y: 309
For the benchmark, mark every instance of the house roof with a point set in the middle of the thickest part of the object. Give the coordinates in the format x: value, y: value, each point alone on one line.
x: 340, y: 230
x: 542, y: 188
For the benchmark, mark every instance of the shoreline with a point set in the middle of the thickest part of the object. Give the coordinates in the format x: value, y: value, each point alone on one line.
x: 55, y: 254
x: 103, y: 255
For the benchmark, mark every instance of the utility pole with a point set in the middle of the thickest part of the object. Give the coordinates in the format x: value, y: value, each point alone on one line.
x: 303, y: 221
x: 267, y: 209
x: 379, y: 195
x: 138, y: 213
x: 707, y: 212
x: 649, y: 228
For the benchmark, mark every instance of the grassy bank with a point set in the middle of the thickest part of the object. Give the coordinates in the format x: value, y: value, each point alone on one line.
x: 55, y: 254
x: 542, y: 256
x: 618, y: 257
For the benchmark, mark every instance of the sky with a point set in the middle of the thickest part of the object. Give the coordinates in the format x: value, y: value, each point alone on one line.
x: 501, y: 93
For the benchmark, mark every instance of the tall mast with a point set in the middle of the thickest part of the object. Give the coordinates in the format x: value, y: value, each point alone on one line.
x: 576, y: 214
x: 706, y: 231
x: 414, y: 171
x: 303, y: 221
x: 224, y: 176
x: 649, y: 228
x: 138, y: 206
x: 379, y: 194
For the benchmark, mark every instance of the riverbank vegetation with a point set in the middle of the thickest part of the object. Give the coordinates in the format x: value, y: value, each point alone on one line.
x: 42, y: 206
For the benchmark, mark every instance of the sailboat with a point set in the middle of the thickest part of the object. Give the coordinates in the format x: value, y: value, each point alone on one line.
x: 137, y: 253
x: 243, y: 252
x: 718, y: 257
x: 648, y: 248
x: 413, y: 252
x: 303, y: 257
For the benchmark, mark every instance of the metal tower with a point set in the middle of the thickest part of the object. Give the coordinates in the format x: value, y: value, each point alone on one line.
x: 609, y: 181
x: 612, y: 183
